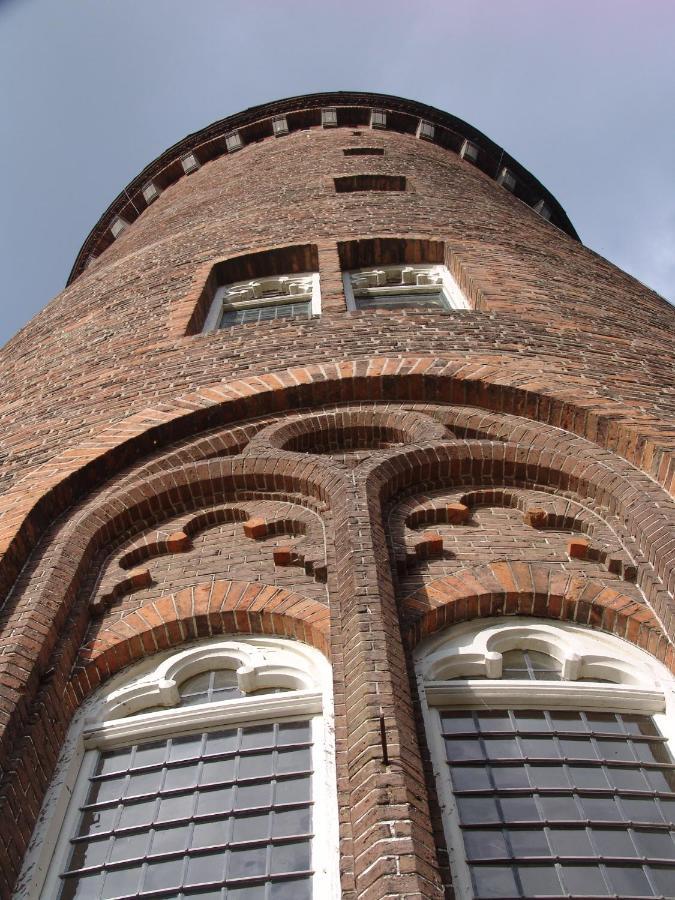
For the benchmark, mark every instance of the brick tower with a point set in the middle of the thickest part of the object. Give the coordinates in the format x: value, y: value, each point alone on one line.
x: 337, y: 533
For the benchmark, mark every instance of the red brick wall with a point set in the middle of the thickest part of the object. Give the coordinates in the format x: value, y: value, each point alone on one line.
x: 121, y: 431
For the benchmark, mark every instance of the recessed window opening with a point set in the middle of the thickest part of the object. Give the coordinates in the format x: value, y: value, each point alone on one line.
x: 420, y: 287
x: 194, y: 780
x: 265, y: 299
x: 363, y: 151
x: 349, y: 183
x: 563, y: 789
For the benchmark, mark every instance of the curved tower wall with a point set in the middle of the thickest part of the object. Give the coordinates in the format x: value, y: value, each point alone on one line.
x: 121, y: 421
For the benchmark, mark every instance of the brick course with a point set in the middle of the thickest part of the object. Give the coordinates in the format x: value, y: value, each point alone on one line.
x: 356, y: 481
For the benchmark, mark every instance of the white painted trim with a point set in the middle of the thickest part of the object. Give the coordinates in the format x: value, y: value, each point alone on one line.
x: 548, y: 694
x: 469, y: 649
x: 349, y: 291
x: 206, y: 716
x: 262, y: 660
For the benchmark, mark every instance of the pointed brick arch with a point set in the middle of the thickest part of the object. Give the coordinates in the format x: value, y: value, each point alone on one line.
x: 526, y: 589
x: 221, y: 607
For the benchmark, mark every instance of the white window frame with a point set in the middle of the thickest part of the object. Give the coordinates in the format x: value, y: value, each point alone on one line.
x: 445, y: 665
x: 282, y: 290
x: 386, y: 281
x: 113, y: 717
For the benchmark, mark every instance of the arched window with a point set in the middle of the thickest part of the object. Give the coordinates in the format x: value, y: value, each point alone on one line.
x: 206, y: 773
x: 550, y: 746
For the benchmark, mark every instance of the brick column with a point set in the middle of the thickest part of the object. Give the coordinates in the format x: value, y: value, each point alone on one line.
x: 381, y: 788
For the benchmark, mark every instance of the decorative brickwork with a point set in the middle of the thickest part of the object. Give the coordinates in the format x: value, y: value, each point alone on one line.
x: 355, y: 481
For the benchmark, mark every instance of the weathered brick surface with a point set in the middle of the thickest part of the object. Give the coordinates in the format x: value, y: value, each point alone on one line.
x: 356, y: 481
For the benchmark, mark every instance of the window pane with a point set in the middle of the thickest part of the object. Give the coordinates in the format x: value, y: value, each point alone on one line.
x: 506, y: 777
x: 463, y: 748
x: 470, y: 778
x: 602, y: 809
x: 571, y: 842
x: 641, y: 810
x: 583, y: 880
x: 247, y: 863
x: 501, y: 748
x: 549, y: 776
x: 528, y: 842
x: 251, y: 828
x: 531, y: 720
x: 494, y: 721
x: 540, y: 747
x: 629, y: 880
x: 477, y: 810
x: 290, y: 858
x: 118, y: 882
x: 538, y: 880
x: 519, y: 809
x: 495, y: 881
x: 559, y: 808
x: 284, y: 890
x: 90, y: 853
x: 656, y: 845
x: 567, y: 721
x: 485, y: 845
x: 457, y: 722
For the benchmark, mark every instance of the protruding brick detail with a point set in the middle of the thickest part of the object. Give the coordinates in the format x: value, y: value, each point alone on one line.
x: 178, y: 542
x: 282, y: 556
x: 136, y: 580
x: 429, y: 545
x: 457, y: 513
x: 255, y: 528
x: 578, y: 548
x: 536, y: 517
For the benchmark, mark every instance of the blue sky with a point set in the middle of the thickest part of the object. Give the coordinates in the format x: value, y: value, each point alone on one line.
x: 581, y: 93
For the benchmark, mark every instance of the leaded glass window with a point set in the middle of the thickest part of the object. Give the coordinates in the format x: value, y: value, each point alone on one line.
x: 265, y: 299
x: 419, y: 287
x: 227, y: 811
x: 208, y: 775
x: 563, y: 803
x: 553, y: 764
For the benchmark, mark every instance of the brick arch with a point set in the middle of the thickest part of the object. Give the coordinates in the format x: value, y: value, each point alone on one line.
x: 529, y: 589
x: 221, y: 607
x: 367, y: 428
x: 510, y: 386
x: 645, y: 512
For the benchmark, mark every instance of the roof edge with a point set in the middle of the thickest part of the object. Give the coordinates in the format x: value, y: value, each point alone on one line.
x: 354, y: 109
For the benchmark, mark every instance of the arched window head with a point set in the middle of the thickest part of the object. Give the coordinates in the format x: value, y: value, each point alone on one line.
x: 535, y: 650
x: 552, y: 749
x: 206, y: 772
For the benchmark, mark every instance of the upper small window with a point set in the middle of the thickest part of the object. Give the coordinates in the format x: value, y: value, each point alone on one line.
x: 429, y: 287
x: 263, y: 299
